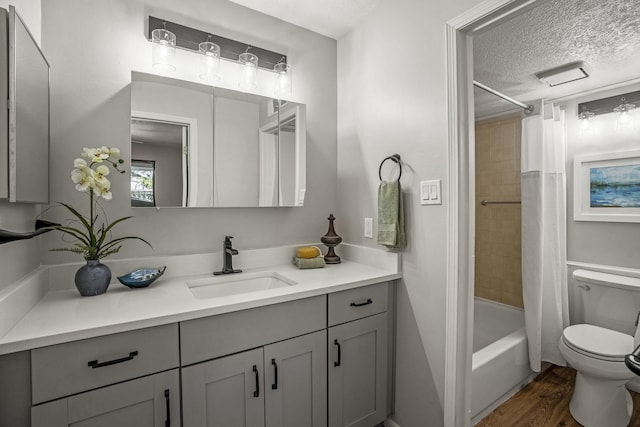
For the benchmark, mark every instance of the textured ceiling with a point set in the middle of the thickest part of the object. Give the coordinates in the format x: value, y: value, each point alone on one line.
x: 605, y: 34
x: 332, y: 18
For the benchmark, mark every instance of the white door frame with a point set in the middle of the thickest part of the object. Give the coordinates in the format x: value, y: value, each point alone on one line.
x: 461, y: 195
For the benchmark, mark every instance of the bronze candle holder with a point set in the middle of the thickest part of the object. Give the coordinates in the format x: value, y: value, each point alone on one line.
x: 331, y: 240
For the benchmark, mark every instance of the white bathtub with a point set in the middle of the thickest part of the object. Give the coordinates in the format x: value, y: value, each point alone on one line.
x: 500, y: 364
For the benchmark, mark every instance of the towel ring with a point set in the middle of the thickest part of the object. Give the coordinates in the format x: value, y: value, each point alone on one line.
x: 395, y: 158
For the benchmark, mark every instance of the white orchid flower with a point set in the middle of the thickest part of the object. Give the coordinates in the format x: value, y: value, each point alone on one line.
x: 96, y: 155
x: 114, y: 151
x: 102, y: 171
x: 82, y: 180
x: 79, y: 163
x: 103, y: 191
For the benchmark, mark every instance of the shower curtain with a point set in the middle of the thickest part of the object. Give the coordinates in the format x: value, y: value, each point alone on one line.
x: 544, y: 277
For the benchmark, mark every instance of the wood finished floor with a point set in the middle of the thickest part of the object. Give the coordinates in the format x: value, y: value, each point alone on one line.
x: 544, y: 402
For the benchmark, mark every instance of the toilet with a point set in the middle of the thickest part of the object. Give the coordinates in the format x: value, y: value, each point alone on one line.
x: 597, y: 347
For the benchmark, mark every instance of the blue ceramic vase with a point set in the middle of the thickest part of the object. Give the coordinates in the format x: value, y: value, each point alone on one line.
x: 93, y: 278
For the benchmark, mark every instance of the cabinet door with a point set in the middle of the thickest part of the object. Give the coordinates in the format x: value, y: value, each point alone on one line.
x: 151, y: 401
x: 358, y: 372
x: 296, y: 382
x: 226, y: 392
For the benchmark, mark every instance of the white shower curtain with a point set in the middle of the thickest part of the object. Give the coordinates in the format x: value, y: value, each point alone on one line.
x: 544, y: 277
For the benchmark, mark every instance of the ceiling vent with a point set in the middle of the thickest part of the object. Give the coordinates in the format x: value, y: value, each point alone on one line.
x: 563, y: 74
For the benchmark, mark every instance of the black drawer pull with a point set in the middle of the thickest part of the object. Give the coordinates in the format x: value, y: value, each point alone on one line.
x: 167, y: 422
x: 335, y: 342
x: 360, y: 304
x: 94, y: 363
x: 274, y: 386
x: 256, y: 393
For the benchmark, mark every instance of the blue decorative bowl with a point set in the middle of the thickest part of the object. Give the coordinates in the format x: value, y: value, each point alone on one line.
x: 141, y: 278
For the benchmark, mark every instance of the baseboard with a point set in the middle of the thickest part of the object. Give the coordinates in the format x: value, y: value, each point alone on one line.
x: 391, y: 423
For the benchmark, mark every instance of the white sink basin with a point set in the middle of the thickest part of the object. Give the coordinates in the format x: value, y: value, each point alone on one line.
x: 238, y: 283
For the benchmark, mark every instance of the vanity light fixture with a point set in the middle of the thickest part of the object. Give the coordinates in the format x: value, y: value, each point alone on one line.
x: 209, y: 60
x: 250, y: 58
x: 623, y: 105
x: 283, y: 80
x: 164, y: 48
x: 248, y: 78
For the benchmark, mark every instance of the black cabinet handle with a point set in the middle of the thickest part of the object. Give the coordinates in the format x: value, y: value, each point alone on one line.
x: 95, y: 364
x: 335, y: 342
x: 167, y: 422
x: 274, y: 386
x: 360, y: 304
x: 256, y: 393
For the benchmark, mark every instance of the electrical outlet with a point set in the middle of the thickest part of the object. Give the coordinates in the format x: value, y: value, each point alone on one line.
x: 368, y: 228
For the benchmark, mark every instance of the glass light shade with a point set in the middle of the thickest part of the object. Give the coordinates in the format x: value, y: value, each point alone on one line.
x: 626, y: 120
x: 249, y: 71
x: 163, y: 50
x: 209, y: 61
x: 283, y: 80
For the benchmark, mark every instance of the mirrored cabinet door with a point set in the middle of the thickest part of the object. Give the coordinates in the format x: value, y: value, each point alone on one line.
x: 214, y: 147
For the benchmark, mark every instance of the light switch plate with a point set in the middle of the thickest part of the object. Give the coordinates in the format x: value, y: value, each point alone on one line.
x: 368, y: 228
x: 431, y: 192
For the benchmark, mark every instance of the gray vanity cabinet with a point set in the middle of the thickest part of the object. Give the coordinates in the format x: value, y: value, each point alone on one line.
x: 225, y: 392
x: 281, y: 384
x: 358, y: 357
x: 126, y: 379
x: 152, y: 401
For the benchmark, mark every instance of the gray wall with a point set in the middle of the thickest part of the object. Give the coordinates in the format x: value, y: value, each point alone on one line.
x: 392, y: 99
x: 90, y: 76
x: 606, y: 243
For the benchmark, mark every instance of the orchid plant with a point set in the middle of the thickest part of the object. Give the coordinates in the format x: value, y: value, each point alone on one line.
x: 90, y: 176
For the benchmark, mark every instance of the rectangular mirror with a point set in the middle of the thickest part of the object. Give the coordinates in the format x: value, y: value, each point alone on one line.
x: 214, y: 147
x: 28, y: 114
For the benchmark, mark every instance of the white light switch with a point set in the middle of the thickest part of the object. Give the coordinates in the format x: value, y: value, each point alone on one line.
x: 368, y: 228
x: 430, y: 192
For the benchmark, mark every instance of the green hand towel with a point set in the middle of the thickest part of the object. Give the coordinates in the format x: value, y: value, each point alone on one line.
x: 390, y: 215
x: 302, y: 263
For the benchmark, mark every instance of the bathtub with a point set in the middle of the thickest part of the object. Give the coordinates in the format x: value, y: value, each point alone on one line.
x: 500, y: 363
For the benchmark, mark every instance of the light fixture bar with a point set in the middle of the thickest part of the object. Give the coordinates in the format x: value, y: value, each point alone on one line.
x: 189, y: 38
x: 606, y: 105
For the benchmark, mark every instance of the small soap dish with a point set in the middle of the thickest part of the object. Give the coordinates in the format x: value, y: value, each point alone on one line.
x: 141, y: 278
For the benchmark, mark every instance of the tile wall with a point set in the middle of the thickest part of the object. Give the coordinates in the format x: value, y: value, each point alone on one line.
x: 498, y: 251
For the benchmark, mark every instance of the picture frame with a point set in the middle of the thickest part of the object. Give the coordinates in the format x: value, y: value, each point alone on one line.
x: 606, y: 187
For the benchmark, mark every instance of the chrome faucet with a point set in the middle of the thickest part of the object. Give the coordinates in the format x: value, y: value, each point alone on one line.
x: 228, y: 253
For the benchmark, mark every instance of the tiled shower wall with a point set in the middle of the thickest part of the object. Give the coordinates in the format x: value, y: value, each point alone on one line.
x: 498, y: 242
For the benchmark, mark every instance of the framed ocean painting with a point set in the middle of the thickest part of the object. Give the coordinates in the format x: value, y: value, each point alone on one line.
x: 607, y: 187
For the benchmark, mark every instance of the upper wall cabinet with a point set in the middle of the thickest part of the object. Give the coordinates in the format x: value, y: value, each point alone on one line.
x: 194, y: 145
x: 24, y: 124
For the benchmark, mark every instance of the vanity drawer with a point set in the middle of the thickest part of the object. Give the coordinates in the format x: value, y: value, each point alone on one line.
x: 353, y: 304
x: 215, y: 336
x: 64, y: 369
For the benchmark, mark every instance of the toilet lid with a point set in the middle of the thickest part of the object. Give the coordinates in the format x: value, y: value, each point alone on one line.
x: 598, y: 341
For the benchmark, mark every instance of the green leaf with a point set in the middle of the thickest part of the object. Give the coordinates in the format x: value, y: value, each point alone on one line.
x: 106, y: 230
x: 82, y: 219
x: 114, y: 242
x: 78, y: 234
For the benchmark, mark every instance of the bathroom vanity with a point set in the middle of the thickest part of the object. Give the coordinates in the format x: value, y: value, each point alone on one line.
x: 314, y: 353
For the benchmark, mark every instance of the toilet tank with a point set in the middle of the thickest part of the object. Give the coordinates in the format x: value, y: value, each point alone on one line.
x: 609, y: 300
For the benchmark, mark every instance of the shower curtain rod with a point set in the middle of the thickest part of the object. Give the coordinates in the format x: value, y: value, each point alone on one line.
x: 528, y: 109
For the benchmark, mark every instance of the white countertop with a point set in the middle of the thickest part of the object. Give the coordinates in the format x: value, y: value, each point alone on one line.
x: 63, y: 315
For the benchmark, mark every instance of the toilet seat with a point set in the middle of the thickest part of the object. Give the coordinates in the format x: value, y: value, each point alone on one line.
x: 599, y: 343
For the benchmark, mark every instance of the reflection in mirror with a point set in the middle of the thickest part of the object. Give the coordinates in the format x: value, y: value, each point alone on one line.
x: 143, y: 178
x: 226, y: 148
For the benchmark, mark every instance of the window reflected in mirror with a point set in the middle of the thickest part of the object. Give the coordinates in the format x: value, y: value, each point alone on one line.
x: 143, y: 177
